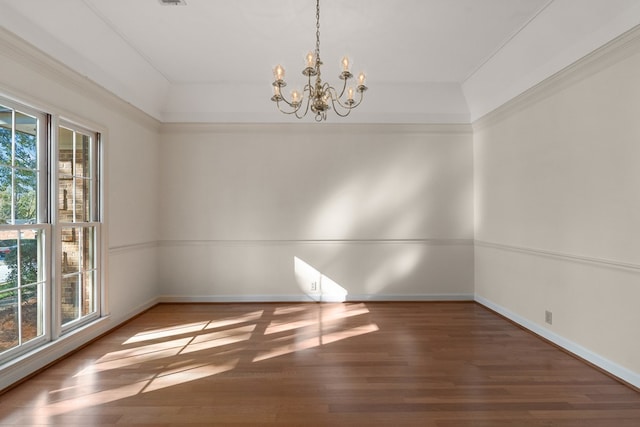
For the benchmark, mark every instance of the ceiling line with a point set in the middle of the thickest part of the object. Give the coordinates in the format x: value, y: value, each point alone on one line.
x: 115, y: 29
x: 505, y: 42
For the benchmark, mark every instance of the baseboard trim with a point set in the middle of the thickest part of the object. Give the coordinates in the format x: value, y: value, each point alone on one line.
x: 310, y: 298
x: 410, y: 297
x: 620, y: 372
x: 232, y: 298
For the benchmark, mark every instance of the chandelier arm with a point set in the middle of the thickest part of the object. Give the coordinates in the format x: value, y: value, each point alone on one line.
x: 335, y: 100
x: 287, y: 112
x: 296, y: 107
x: 308, y: 88
x: 359, y: 100
x: 306, y: 109
x: 282, y: 98
x: 347, y: 106
x: 337, y: 111
x: 344, y: 86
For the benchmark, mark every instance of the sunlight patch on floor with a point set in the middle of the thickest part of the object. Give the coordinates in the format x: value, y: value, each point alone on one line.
x: 161, y: 333
x: 253, y: 316
x: 160, y: 358
x: 187, y: 374
x: 318, y: 340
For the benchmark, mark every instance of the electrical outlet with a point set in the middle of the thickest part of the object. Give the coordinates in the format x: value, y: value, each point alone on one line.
x: 314, y: 286
x: 548, y: 317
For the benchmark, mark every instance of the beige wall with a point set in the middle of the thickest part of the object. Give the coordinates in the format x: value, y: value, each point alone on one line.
x: 383, y: 211
x: 557, y: 202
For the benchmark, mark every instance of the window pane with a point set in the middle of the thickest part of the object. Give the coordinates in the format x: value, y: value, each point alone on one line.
x: 82, y: 200
x: 70, y: 295
x: 65, y: 199
x: 8, y: 320
x: 6, y: 195
x: 29, y: 258
x: 70, y: 250
x: 6, y: 124
x: 8, y: 259
x: 65, y: 151
x: 26, y: 186
x: 88, y: 248
x: 83, y: 156
x: 26, y: 141
x: 32, y: 312
x: 88, y: 300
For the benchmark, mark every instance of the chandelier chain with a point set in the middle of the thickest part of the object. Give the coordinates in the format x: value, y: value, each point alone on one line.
x: 318, y: 30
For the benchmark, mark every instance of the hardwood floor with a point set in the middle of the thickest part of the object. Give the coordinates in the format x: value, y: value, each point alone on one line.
x: 373, y: 364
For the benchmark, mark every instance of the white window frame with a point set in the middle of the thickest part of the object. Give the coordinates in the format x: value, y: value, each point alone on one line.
x: 97, y: 222
x: 42, y: 223
x: 47, y: 221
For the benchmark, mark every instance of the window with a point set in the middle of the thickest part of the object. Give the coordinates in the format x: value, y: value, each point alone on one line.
x: 24, y: 228
x: 49, y: 228
x: 78, y: 220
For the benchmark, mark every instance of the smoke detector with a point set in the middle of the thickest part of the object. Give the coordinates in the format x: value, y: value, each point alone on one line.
x: 173, y: 2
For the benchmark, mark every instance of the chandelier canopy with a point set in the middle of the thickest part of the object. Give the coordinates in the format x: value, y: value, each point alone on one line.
x: 318, y: 97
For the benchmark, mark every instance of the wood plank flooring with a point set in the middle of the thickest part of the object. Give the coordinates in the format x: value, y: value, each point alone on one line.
x: 356, y: 364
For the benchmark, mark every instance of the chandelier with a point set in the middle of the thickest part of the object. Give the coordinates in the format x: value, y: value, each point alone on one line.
x: 318, y: 97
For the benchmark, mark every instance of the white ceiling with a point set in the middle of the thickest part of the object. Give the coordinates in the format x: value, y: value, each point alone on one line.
x: 426, y: 61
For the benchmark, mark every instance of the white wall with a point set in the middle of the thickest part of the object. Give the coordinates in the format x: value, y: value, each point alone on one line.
x: 131, y: 151
x: 383, y: 211
x: 557, y: 182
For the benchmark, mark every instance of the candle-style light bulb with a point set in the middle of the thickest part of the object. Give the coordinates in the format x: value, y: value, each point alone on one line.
x: 361, y: 79
x: 295, y: 97
x: 350, y: 94
x: 345, y: 64
x: 279, y: 72
x: 310, y: 59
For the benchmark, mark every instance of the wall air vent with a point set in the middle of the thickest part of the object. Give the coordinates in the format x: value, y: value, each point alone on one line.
x: 173, y: 2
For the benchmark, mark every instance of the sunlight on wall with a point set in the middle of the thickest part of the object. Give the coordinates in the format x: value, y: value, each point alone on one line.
x: 316, y: 285
x: 375, y: 201
x: 393, y: 268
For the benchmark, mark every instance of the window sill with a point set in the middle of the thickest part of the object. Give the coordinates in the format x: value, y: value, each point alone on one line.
x: 26, y: 365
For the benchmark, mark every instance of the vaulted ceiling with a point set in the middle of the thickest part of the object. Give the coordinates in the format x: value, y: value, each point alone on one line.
x: 427, y: 61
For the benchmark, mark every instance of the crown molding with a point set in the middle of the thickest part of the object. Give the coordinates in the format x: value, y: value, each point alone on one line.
x: 318, y: 128
x: 617, y: 50
x: 17, y: 49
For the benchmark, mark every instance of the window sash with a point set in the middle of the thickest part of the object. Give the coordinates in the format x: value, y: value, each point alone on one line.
x: 44, y: 165
x: 73, y: 220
